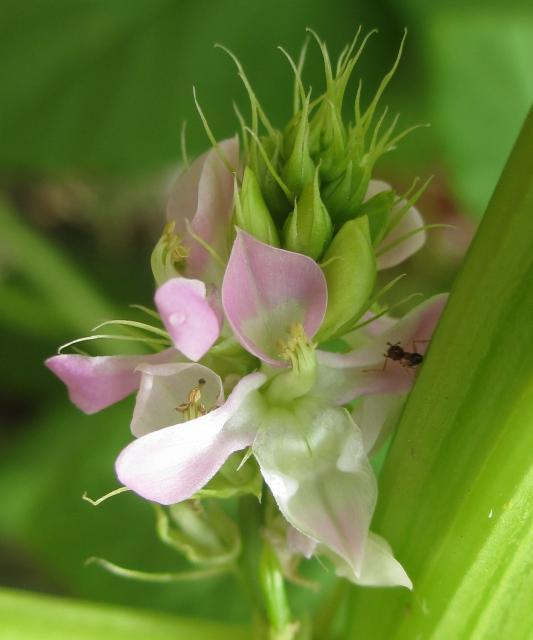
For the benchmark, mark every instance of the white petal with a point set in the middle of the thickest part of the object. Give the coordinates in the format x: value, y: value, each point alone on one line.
x: 312, y: 458
x: 376, y: 416
x: 163, y: 387
x: 379, y: 567
x: 171, y: 464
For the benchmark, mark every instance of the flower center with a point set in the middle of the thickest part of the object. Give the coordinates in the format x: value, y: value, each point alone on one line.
x: 193, y: 408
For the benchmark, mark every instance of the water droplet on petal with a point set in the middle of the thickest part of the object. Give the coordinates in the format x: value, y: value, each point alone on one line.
x: 177, y: 318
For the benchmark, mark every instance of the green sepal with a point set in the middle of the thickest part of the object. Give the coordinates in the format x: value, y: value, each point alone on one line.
x: 378, y: 209
x: 251, y: 211
x: 308, y: 228
x: 344, y: 195
x: 299, y: 167
x: 349, y: 266
x: 203, y: 533
x: 233, y: 480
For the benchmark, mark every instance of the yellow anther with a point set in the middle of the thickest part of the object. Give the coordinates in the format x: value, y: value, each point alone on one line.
x: 193, y: 408
x: 174, y: 248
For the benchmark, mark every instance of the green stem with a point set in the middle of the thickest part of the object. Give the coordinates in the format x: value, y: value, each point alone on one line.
x: 275, y: 596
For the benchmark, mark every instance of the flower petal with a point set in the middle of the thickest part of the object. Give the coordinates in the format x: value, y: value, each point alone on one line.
x: 378, y: 569
x: 171, y: 464
x: 94, y: 383
x: 190, y: 320
x: 376, y: 416
x: 312, y: 458
x: 265, y: 290
x: 165, y: 386
x: 364, y: 371
x: 409, y: 222
x: 203, y: 194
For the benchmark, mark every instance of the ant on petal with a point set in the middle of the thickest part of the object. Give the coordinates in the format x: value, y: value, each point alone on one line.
x: 409, y: 359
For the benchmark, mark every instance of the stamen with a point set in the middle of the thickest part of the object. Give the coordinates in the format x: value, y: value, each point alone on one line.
x: 193, y: 408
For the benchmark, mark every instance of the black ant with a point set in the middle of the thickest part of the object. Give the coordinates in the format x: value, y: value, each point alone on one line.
x: 410, y: 359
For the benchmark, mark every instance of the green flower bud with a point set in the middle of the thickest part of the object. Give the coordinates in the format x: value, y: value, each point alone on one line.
x: 378, y: 209
x: 169, y: 255
x: 299, y: 167
x: 205, y: 535
x: 328, y: 142
x: 308, y: 229
x: 251, y: 212
x: 344, y: 195
x: 275, y: 199
x: 350, y: 269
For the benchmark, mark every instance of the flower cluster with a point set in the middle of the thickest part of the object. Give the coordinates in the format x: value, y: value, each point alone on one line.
x: 281, y: 365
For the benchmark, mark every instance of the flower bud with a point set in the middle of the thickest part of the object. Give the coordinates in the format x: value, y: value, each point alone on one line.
x: 275, y: 199
x: 299, y: 167
x: 343, y: 196
x: 327, y: 142
x: 251, y: 212
x: 349, y: 266
x: 308, y: 228
x: 205, y: 535
x: 169, y: 255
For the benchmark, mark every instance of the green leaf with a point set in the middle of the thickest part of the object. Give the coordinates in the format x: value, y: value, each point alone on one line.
x: 482, y: 90
x: 58, y: 282
x: 457, y: 487
x: 27, y: 616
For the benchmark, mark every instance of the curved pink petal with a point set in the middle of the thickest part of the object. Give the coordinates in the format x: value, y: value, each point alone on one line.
x: 94, y: 383
x: 364, y: 371
x: 171, y: 464
x: 203, y: 194
x: 164, y: 387
x: 265, y: 290
x: 188, y: 317
x: 409, y: 222
x: 311, y: 456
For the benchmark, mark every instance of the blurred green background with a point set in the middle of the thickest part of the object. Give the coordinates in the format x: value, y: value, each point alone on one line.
x: 93, y: 97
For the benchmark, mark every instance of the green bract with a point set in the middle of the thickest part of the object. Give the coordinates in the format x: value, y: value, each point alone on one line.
x: 350, y: 268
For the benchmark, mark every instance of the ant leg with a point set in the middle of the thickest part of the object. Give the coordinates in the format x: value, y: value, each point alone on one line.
x: 378, y: 370
x: 415, y: 342
x: 408, y: 369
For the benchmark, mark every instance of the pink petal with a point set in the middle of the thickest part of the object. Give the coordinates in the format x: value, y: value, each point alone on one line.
x: 94, y: 383
x: 300, y: 544
x: 376, y: 416
x: 191, y: 322
x: 409, y: 222
x: 265, y: 290
x: 204, y: 195
x: 171, y: 464
x: 165, y: 386
x: 364, y: 371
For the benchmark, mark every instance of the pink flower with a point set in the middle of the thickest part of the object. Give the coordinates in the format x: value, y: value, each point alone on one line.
x: 203, y: 195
